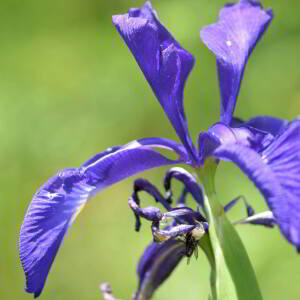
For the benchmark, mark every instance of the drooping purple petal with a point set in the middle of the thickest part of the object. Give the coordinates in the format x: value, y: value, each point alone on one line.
x: 187, y: 179
x: 276, y: 173
x: 182, y: 211
x: 144, y: 185
x: 165, y: 64
x: 232, y: 40
x: 267, y: 124
x: 150, y: 213
x: 173, y: 231
x: 156, y: 265
x: 57, y: 203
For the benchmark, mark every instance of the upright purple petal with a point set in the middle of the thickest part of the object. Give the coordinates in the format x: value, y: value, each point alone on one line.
x: 165, y: 64
x: 57, y: 203
x: 156, y: 264
x: 232, y: 40
x: 276, y: 173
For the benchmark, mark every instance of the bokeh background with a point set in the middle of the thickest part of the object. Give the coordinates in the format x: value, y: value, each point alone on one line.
x: 69, y: 88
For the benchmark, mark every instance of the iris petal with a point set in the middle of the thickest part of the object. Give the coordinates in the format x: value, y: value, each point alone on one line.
x: 221, y: 134
x: 156, y: 264
x: 232, y: 40
x: 267, y: 124
x: 276, y: 172
x: 57, y: 203
x: 165, y: 64
x: 188, y: 180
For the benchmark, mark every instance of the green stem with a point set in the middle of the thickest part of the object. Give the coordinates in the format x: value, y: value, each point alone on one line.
x: 233, y: 277
x: 205, y: 244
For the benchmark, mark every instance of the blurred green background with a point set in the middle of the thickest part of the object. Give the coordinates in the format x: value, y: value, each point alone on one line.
x: 69, y: 88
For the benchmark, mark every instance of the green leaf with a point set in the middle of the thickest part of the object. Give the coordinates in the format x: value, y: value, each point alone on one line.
x: 232, y: 277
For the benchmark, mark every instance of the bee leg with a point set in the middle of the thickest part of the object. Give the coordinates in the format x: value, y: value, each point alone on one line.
x: 196, y: 251
x: 188, y: 260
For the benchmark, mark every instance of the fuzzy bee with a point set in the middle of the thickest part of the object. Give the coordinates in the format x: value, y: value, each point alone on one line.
x: 192, y: 239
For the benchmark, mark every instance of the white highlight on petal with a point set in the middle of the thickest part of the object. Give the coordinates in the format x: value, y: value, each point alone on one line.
x: 181, y: 170
x: 229, y: 43
x: 268, y: 215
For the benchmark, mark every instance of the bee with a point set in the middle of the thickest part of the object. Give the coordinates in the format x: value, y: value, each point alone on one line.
x: 192, y: 239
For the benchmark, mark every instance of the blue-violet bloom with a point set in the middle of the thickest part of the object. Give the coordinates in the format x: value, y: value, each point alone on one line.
x: 265, y: 148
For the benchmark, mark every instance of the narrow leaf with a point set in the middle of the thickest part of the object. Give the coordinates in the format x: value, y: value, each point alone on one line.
x: 233, y: 277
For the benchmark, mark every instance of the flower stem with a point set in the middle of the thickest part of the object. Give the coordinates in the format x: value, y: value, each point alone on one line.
x: 232, y: 276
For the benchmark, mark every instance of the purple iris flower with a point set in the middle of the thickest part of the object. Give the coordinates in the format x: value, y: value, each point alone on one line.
x: 173, y: 242
x: 265, y: 148
x: 182, y: 235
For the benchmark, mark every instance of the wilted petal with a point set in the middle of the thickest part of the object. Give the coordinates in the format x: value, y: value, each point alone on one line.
x: 150, y: 213
x: 156, y: 264
x: 184, y: 214
x: 173, y: 231
x: 232, y: 40
x: 189, y: 181
x: 163, y: 61
x: 276, y: 173
x: 58, y: 201
x: 144, y: 185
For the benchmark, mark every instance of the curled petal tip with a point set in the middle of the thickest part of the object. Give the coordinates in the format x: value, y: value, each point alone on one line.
x: 164, y: 63
x: 188, y: 180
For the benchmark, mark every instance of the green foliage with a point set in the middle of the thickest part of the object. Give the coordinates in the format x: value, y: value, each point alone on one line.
x: 232, y: 275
